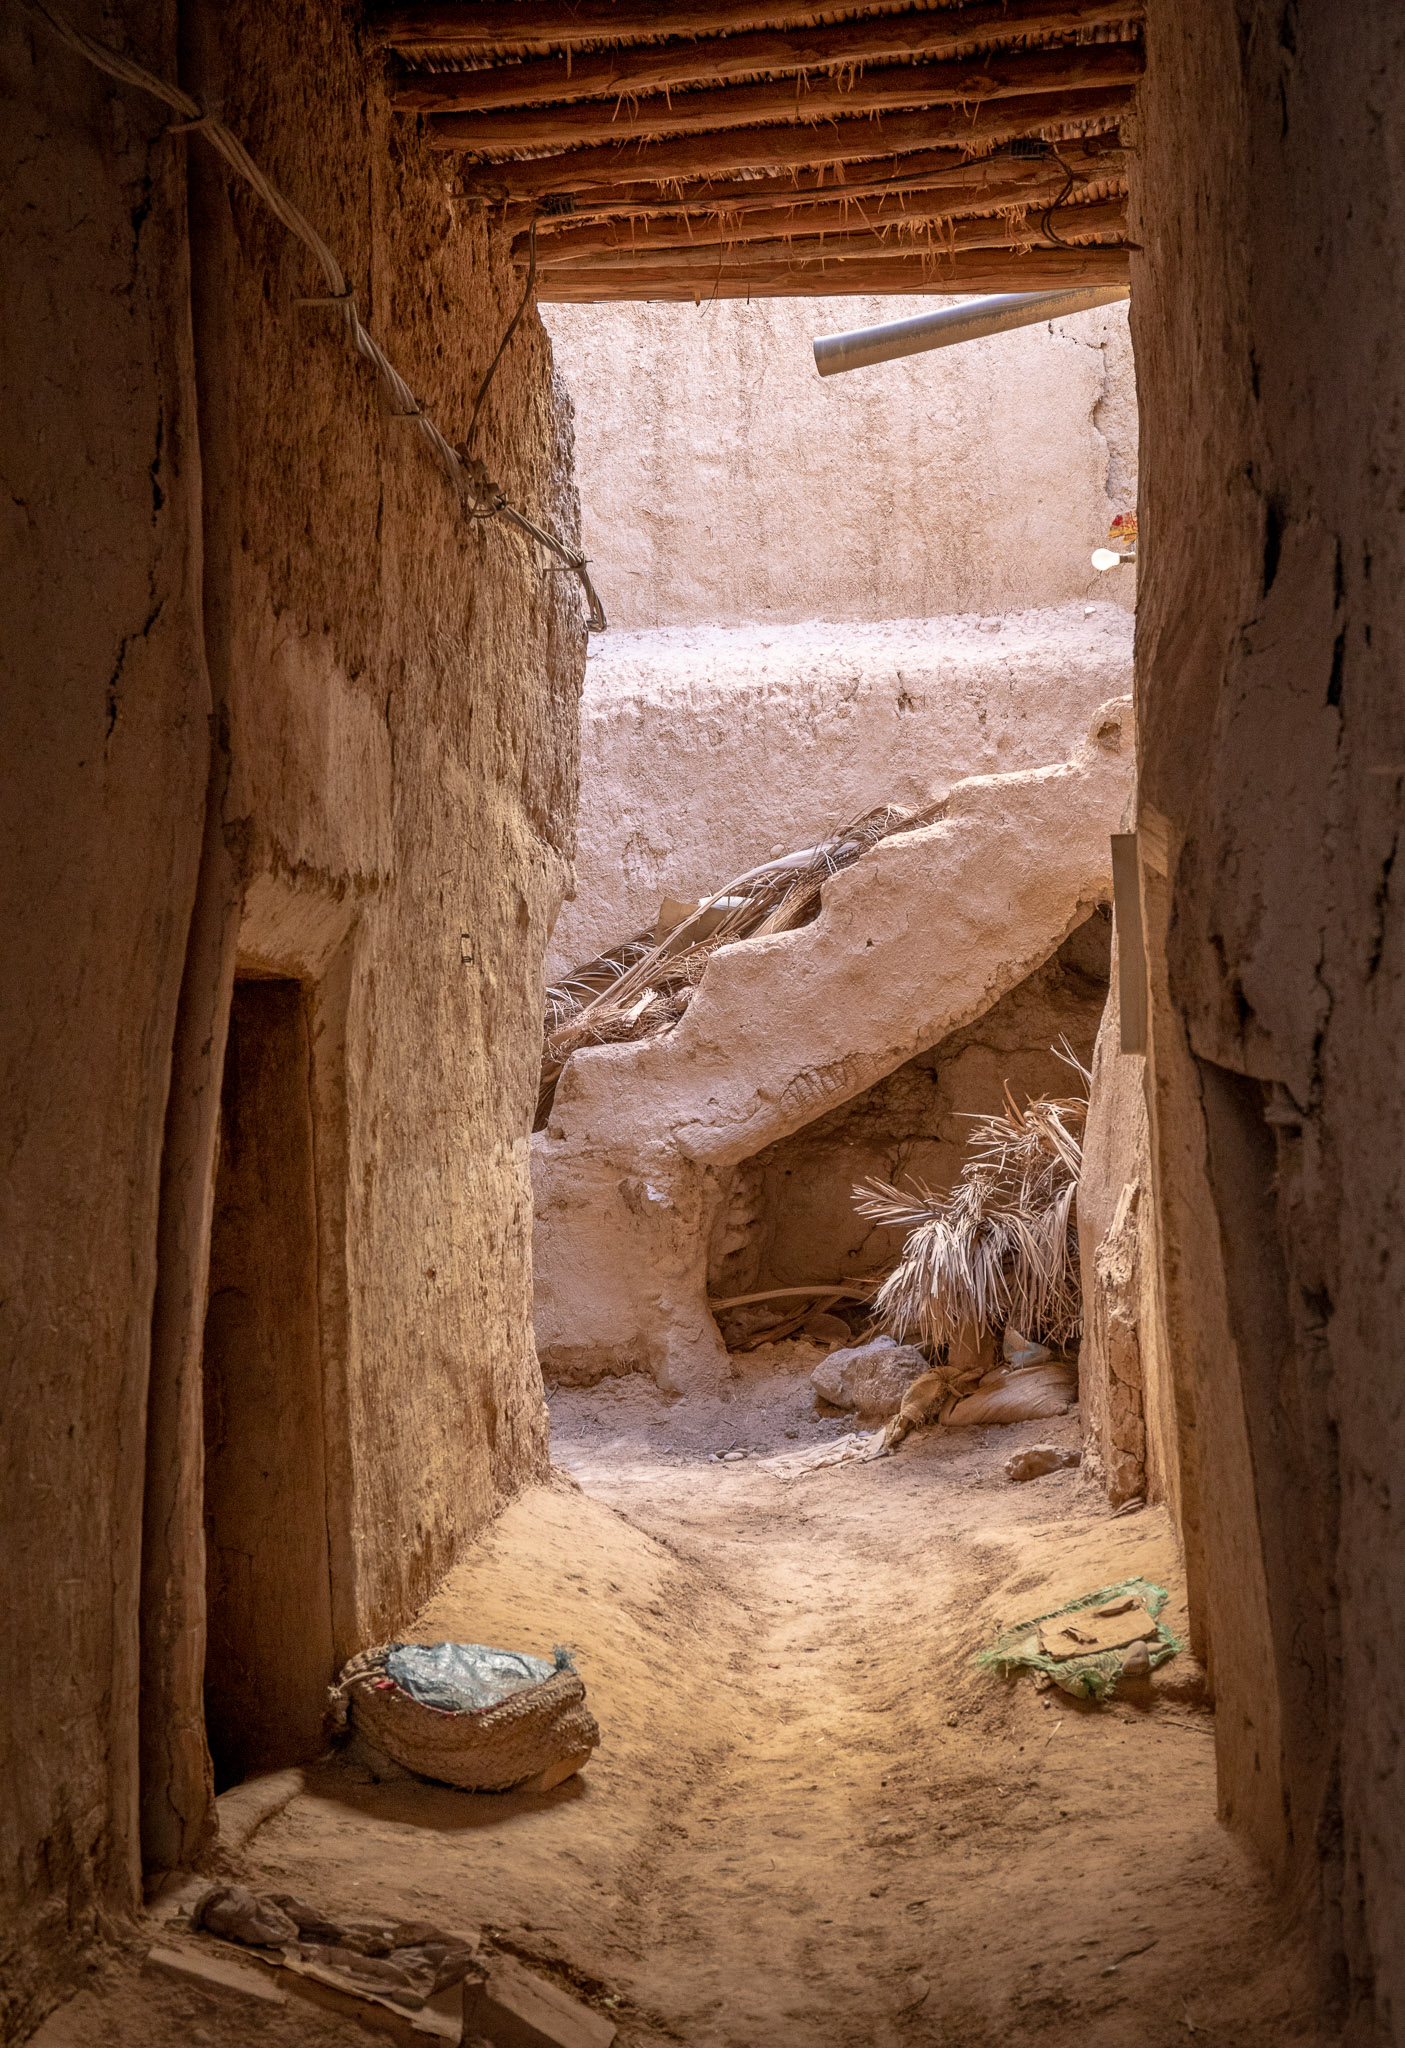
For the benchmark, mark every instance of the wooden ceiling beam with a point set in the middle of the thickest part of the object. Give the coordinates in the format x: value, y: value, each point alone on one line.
x: 1004, y: 75
x: 661, y: 67
x: 486, y: 26
x: 947, y: 170
x: 994, y: 270
x: 778, y: 148
x: 1034, y: 186
x: 854, y: 241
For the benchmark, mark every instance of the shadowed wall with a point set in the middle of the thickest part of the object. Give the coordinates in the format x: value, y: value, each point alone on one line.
x: 1271, y: 636
x: 272, y: 707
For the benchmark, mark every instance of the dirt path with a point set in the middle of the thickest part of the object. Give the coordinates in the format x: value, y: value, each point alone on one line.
x: 812, y: 1820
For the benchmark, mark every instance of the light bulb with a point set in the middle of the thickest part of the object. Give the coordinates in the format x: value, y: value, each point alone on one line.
x: 1104, y: 558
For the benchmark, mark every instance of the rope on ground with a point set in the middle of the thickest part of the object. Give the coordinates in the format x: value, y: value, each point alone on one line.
x: 476, y: 491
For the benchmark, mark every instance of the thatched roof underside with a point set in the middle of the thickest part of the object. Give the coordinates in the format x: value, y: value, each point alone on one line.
x: 744, y: 148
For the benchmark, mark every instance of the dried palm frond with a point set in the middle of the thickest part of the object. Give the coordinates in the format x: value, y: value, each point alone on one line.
x: 1000, y: 1247
x: 568, y: 997
x: 598, y: 1004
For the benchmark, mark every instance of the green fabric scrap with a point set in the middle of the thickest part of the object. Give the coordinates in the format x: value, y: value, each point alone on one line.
x: 1088, y: 1678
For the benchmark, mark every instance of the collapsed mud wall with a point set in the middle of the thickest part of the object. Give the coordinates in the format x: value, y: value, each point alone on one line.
x: 914, y: 941
x: 704, y: 751
x: 828, y: 593
x: 236, y: 572
x: 788, y: 1215
x: 1271, y: 634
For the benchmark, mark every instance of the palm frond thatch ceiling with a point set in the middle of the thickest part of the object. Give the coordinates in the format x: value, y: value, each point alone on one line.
x: 740, y: 148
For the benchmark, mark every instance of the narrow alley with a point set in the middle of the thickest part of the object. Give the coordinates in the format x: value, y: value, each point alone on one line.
x: 811, y: 1817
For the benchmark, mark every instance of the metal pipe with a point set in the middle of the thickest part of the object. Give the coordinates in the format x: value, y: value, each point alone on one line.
x: 836, y: 352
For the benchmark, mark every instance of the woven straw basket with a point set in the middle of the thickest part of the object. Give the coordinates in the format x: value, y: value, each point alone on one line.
x: 531, y: 1741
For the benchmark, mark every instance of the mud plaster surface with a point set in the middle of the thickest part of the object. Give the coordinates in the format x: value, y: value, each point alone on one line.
x: 811, y: 1820
x: 722, y: 479
x: 705, y: 750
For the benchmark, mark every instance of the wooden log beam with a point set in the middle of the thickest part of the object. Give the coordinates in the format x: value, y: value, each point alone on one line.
x: 994, y: 270
x: 483, y: 27
x: 773, y: 149
x: 856, y: 243
x: 1035, y: 186
x: 664, y: 67
x: 945, y: 170
x: 1007, y: 74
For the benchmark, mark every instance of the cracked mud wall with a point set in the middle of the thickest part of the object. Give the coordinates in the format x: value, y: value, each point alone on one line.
x: 394, y: 703
x: 104, y: 722
x: 1270, y: 646
x: 402, y: 714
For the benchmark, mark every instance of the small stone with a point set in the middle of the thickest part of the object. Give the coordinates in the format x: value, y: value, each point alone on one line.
x: 732, y: 1457
x: 1136, y: 1661
x: 953, y: 1720
x: 1038, y: 1459
x: 871, y: 1378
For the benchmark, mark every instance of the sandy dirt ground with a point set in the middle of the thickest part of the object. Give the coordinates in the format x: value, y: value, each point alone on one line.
x: 811, y: 1820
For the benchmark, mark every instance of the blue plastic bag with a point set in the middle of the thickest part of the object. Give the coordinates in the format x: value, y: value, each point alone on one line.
x: 464, y: 1678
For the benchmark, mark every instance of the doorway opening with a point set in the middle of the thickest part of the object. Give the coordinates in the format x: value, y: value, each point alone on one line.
x: 269, y: 1656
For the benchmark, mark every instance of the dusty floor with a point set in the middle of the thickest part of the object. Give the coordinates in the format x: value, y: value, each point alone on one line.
x: 811, y: 1819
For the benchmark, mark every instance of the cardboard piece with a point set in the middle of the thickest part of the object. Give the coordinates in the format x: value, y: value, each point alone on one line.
x: 1086, y: 1634
x: 514, y: 2008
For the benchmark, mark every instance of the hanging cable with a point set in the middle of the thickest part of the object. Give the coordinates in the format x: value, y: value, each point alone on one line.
x: 479, y: 495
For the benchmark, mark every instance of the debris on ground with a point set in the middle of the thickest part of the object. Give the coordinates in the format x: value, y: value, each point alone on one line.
x: 1039, y: 1459
x: 467, y: 1715
x: 871, y: 1378
x: 827, y: 1328
x: 1000, y: 1249
x: 1086, y: 1646
x: 401, y: 1963
x: 1013, y: 1393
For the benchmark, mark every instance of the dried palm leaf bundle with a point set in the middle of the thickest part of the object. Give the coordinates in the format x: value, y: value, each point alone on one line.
x: 642, y: 987
x: 1000, y: 1248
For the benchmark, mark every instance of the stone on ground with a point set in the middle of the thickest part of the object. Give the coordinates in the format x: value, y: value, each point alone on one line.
x: 1038, y: 1459
x: 871, y: 1378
